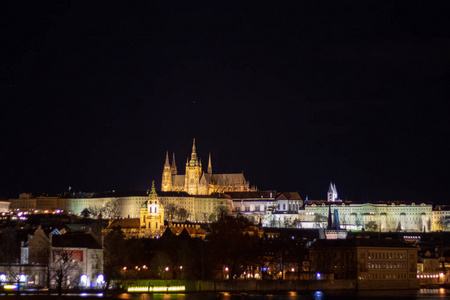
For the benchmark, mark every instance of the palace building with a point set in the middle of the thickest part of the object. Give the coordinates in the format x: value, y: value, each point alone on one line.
x: 197, y: 182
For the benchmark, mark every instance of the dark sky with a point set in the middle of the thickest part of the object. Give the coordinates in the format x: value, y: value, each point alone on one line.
x: 295, y: 94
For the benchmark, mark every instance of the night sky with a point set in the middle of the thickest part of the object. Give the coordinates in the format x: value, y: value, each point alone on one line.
x: 295, y: 94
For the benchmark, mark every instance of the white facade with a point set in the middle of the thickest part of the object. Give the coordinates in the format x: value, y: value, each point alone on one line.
x: 4, y: 206
x: 389, y: 216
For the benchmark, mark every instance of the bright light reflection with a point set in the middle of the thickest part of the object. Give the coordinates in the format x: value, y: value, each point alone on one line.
x: 318, y: 295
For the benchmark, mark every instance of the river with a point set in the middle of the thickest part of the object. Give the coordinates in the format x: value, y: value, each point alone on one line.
x: 423, y: 294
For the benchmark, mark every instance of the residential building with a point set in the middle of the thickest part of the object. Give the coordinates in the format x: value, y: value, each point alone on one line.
x: 372, y: 263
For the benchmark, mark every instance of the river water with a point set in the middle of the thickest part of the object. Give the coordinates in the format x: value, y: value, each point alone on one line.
x: 423, y: 294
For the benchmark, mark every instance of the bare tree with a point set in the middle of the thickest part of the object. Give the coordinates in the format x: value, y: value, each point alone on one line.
x: 94, y: 211
x: 110, y: 209
x: 159, y: 263
x: 63, y: 267
x: 182, y: 214
x: 171, y: 210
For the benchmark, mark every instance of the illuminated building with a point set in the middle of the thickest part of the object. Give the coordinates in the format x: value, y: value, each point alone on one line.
x: 373, y: 263
x: 200, y: 208
x: 270, y: 208
x: 27, y: 201
x: 197, y: 182
x: 86, y: 255
x: 82, y: 266
x: 150, y: 223
x: 374, y: 216
x: 441, y: 218
x: 4, y: 206
x: 152, y: 215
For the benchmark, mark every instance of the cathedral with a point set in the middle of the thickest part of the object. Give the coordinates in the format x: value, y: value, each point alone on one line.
x: 197, y: 182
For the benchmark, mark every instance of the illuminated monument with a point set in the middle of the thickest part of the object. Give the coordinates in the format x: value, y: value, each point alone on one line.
x: 197, y: 182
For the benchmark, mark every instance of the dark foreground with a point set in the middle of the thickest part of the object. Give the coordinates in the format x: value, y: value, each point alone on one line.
x: 422, y: 294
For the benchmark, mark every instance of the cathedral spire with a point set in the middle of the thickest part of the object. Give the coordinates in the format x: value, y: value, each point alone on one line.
x: 194, y: 160
x: 167, y: 159
x: 153, y: 194
x: 174, y: 166
x: 209, y: 165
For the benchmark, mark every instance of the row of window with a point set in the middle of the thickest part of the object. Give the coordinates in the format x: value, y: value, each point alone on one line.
x: 385, y: 255
x: 386, y: 276
x: 386, y: 265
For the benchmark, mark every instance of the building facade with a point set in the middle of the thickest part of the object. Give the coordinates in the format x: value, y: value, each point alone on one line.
x: 372, y: 263
x: 197, y: 182
x: 374, y: 216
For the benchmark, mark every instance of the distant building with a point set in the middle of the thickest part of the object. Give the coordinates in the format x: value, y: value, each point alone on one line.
x: 371, y: 215
x: 150, y: 223
x: 270, y: 208
x: 441, y: 218
x: 197, y: 182
x: 27, y: 202
x: 372, y: 263
x: 84, y: 252
x: 41, y: 259
x: 4, y: 206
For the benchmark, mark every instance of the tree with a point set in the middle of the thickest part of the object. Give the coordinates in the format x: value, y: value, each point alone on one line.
x: 95, y: 211
x: 171, y: 210
x: 372, y: 226
x: 64, y: 266
x: 9, y: 246
x: 114, y: 254
x: 182, y: 214
x: 230, y: 245
x: 110, y: 208
x: 399, y: 227
x: 212, y: 217
x: 160, y: 261
x: 85, y: 213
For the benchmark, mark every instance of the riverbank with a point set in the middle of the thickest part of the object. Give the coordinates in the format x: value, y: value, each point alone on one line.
x: 269, y: 286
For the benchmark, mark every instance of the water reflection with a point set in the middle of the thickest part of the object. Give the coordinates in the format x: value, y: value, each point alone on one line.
x: 318, y: 295
x: 423, y: 294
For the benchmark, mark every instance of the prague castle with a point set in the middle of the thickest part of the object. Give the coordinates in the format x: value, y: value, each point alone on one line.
x: 197, y: 182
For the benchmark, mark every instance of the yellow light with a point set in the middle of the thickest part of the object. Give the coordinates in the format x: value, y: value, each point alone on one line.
x: 10, y: 287
x: 181, y: 267
x: 176, y: 288
x: 167, y: 269
x: 137, y: 289
x: 441, y: 275
x: 124, y: 268
x: 145, y: 289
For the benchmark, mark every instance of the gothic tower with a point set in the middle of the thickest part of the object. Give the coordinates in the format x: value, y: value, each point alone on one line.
x: 166, y: 183
x: 193, y: 173
x: 332, y: 194
x: 209, y: 165
x: 174, y: 166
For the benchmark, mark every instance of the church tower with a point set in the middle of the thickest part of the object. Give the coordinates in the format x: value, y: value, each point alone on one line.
x: 332, y: 194
x: 174, y: 166
x: 166, y: 183
x: 209, y: 165
x: 193, y: 173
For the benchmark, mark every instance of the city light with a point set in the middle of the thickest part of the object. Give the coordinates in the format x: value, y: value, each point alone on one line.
x: 144, y: 289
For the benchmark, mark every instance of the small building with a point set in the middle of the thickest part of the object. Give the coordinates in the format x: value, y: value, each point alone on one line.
x: 80, y: 255
x: 372, y: 263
